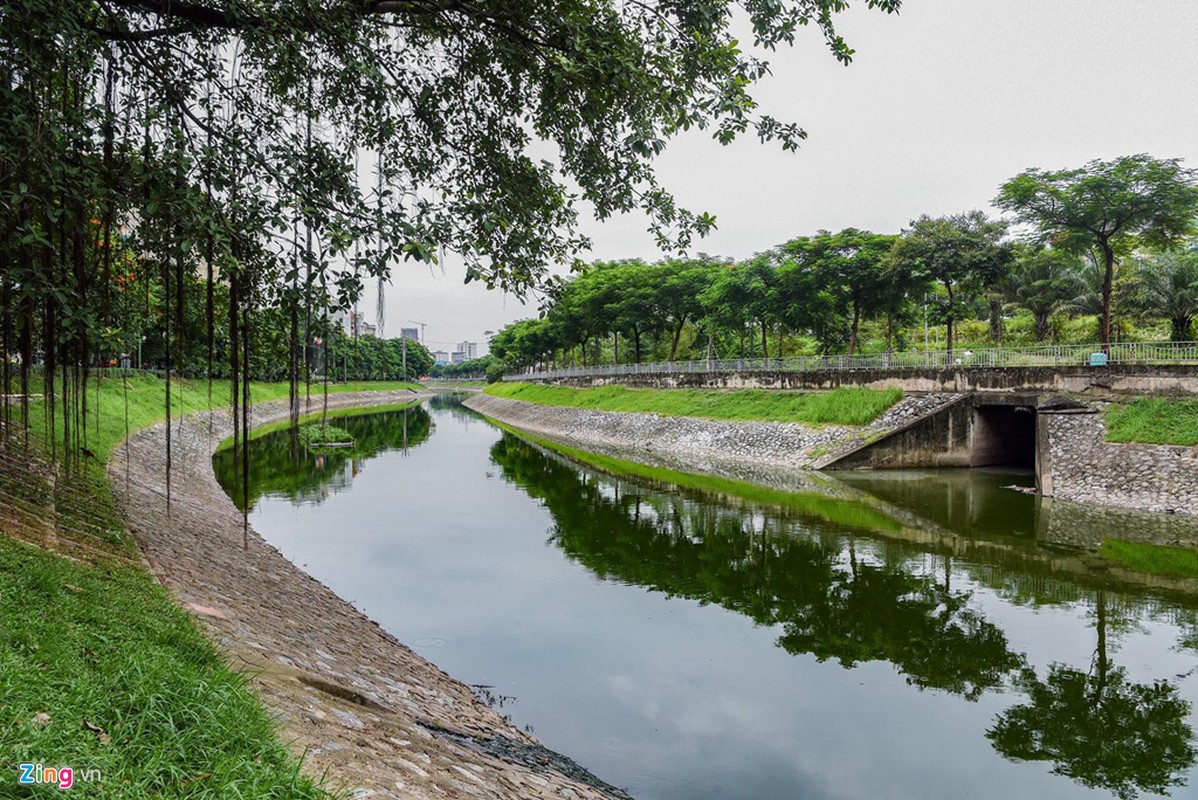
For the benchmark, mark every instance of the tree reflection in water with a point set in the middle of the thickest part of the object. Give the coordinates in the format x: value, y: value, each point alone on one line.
x: 1098, y: 727
x: 838, y: 594
x: 281, y: 467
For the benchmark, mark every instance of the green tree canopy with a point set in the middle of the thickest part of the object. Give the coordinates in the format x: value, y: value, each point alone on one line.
x: 1044, y: 281
x: 851, y: 266
x: 1168, y: 285
x: 963, y: 253
x: 1107, y: 206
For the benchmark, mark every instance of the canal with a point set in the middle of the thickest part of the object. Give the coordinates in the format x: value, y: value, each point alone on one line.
x: 918, y: 634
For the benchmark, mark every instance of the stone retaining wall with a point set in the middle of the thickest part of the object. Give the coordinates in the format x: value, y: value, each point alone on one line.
x: 763, y: 452
x: 1088, y: 469
x: 1075, y: 462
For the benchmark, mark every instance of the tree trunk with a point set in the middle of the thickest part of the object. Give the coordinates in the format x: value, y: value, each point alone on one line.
x: 1041, y: 327
x: 636, y: 342
x: 1108, y: 280
x: 677, y: 336
x: 855, y: 326
x: 1181, y: 328
x: 615, y: 348
x: 1102, y: 664
x: 765, y: 349
x: 996, y: 323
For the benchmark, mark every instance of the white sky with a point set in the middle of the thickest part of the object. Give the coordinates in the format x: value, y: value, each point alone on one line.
x: 941, y: 104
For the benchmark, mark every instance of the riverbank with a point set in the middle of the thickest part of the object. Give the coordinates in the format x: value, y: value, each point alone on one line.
x: 771, y: 453
x: 844, y: 406
x: 1085, y: 467
x: 363, y: 708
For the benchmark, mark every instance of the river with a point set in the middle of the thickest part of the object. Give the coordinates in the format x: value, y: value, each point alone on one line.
x: 905, y: 635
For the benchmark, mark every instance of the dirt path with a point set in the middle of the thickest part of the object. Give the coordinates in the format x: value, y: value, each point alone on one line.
x: 361, y: 707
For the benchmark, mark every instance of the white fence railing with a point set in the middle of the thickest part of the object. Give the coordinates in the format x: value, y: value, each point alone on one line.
x: 1072, y: 355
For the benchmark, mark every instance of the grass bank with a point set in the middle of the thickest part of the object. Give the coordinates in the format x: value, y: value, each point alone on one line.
x: 825, y: 507
x: 99, y: 669
x: 1154, y: 420
x: 146, y: 395
x: 845, y: 406
x: 1157, y: 559
x: 102, y: 672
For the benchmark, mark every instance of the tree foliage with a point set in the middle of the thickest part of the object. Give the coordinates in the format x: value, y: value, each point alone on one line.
x: 1168, y: 285
x: 1110, y: 207
x: 289, y: 154
x: 963, y: 253
x: 1045, y: 281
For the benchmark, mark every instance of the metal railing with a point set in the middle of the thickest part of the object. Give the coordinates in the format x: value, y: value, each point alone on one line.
x: 1069, y: 355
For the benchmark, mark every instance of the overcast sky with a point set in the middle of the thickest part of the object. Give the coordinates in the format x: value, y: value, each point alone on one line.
x: 941, y: 104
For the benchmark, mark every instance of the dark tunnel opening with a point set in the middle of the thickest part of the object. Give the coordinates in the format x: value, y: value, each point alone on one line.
x: 1003, y: 435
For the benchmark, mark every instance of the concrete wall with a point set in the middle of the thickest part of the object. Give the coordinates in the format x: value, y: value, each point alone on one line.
x: 1114, y: 382
x: 940, y: 439
x: 978, y: 430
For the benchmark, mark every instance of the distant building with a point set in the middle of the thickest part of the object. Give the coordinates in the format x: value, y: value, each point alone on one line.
x: 410, y: 333
x: 457, y: 357
x: 469, y: 350
x: 441, y: 358
x: 355, y: 324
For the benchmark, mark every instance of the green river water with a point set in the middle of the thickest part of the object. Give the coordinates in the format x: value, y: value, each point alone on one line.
x: 891, y: 635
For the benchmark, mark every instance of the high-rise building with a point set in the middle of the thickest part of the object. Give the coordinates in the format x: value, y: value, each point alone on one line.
x: 410, y: 333
x: 441, y: 357
x: 469, y: 350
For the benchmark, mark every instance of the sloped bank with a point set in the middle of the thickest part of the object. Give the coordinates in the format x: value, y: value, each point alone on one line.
x: 363, y: 709
x: 771, y: 453
x: 1075, y: 460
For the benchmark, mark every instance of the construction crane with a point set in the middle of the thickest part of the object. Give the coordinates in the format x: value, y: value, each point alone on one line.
x: 422, y: 325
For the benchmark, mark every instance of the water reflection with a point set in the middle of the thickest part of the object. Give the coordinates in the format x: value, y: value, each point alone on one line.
x: 1099, y: 727
x: 281, y: 467
x: 893, y: 591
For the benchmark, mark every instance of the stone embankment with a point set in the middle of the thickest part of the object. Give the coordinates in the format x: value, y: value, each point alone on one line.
x: 1075, y: 462
x: 1086, y: 468
x: 361, y: 707
x: 761, y: 451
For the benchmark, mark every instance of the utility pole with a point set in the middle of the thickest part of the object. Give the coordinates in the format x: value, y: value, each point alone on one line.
x: 405, y: 359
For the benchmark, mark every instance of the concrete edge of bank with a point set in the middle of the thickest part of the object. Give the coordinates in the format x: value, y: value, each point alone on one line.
x: 362, y: 708
x: 770, y: 453
x: 1072, y: 455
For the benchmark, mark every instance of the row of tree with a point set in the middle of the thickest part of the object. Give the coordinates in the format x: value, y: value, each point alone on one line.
x: 1108, y: 239
x: 211, y: 182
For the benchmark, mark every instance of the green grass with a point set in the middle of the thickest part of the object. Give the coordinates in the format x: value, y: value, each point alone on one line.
x: 147, y: 396
x: 831, y: 509
x: 315, y: 435
x: 99, y: 640
x: 105, y: 647
x: 845, y: 406
x: 1158, y: 559
x: 1154, y: 420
